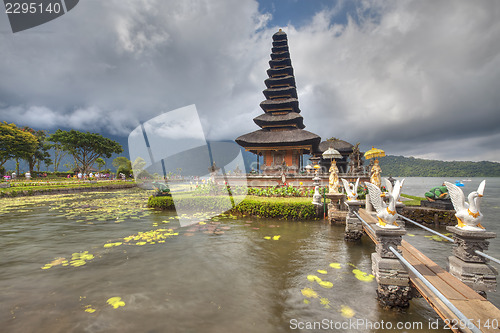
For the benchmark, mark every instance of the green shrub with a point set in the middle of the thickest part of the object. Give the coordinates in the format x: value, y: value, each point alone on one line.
x: 122, y: 169
x: 282, y: 209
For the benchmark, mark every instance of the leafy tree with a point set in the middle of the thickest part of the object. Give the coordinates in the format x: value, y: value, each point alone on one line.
x: 41, y: 153
x: 86, y: 147
x: 100, y: 163
x: 59, y: 153
x: 122, y: 161
x: 15, y: 143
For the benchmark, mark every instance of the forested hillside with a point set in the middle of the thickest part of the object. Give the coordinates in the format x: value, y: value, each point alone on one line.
x: 400, y: 166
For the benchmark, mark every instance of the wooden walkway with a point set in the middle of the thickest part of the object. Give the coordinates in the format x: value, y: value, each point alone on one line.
x: 480, y: 311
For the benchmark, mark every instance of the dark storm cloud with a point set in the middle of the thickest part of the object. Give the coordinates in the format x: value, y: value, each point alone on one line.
x: 415, y: 78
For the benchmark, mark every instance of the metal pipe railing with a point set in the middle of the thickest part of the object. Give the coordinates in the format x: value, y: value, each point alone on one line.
x: 428, y: 229
x: 363, y: 221
x: 441, y: 297
x: 487, y: 256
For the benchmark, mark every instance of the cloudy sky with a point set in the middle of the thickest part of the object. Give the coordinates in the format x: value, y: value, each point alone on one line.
x: 416, y: 78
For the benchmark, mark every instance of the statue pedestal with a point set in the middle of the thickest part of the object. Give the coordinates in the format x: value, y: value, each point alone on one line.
x: 337, y: 200
x: 393, y: 289
x: 337, y: 210
x: 467, y: 265
x: 353, y: 225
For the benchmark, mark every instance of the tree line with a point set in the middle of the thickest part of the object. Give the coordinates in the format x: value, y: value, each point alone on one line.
x: 400, y: 166
x: 34, y: 147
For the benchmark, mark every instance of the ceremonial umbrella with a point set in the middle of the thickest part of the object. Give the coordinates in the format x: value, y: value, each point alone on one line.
x: 331, y: 153
x: 374, y: 152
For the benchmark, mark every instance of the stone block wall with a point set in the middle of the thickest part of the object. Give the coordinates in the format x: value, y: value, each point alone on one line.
x: 430, y: 217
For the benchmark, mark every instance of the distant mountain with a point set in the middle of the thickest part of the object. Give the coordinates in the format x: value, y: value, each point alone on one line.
x: 400, y: 166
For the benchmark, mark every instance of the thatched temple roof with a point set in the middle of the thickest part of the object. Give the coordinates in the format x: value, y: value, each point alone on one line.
x: 282, y: 125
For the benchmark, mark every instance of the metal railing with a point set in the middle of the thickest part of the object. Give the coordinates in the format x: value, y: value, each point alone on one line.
x: 487, y: 256
x: 428, y: 229
x: 436, y: 292
x: 364, y: 222
x: 451, y: 240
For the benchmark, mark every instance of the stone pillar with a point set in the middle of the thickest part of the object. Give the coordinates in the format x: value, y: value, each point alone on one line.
x: 353, y: 225
x: 368, y: 204
x: 393, y: 289
x: 399, y: 210
x: 466, y: 265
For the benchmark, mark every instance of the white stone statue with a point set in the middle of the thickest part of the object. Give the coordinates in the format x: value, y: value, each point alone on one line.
x: 333, y: 182
x: 351, y: 190
x: 386, y: 213
x: 388, y: 187
x: 468, y: 215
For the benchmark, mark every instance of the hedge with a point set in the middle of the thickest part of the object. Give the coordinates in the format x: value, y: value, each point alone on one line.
x: 286, y: 208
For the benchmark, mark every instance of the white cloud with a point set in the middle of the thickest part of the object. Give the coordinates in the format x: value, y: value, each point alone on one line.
x: 398, y: 75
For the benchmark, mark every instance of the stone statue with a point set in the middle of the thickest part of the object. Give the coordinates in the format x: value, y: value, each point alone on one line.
x: 350, y: 189
x: 468, y: 215
x: 356, y: 162
x: 386, y: 213
x: 333, y: 183
x: 375, y: 174
x: 437, y: 193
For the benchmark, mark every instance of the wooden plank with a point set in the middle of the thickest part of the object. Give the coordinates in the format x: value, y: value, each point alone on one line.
x: 455, y: 283
x: 441, y: 309
x: 448, y: 291
x: 482, y: 313
x: 466, y: 300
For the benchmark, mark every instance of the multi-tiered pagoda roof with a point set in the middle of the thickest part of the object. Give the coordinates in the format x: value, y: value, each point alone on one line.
x: 281, y: 124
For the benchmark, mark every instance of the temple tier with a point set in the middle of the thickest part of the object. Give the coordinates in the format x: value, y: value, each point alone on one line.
x: 281, y: 141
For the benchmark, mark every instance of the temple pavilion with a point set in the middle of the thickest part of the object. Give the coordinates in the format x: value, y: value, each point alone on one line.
x: 282, y: 140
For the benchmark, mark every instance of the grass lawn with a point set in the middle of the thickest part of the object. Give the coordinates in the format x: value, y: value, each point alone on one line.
x: 30, y: 187
x: 414, y: 201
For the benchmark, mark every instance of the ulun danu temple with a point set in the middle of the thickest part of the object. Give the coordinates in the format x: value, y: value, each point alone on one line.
x: 282, y: 142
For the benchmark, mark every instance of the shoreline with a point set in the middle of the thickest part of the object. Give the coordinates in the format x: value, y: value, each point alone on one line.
x: 92, y: 188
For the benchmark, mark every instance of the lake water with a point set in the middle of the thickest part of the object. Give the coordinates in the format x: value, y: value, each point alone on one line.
x: 228, y: 274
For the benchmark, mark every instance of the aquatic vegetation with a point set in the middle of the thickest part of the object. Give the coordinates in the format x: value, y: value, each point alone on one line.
x: 80, y: 258
x: 151, y: 237
x: 325, y: 284
x: 313, y: 278
x: 325, y: 302
x: 362, y: 276
x: 89, y: 309
x: 436, y: 238
x: 115, y: 302
x: 310, y: 293
x: 113, y: 244
x: 347, y: 312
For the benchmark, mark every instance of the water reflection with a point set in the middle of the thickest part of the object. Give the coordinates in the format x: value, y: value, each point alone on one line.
x: 197, y: 281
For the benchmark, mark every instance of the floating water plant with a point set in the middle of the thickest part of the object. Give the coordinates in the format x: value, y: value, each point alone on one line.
x: 325, y: 302
x: 362, y: 276
x: 308, y: 292
x: 347, y: 312
x: 115, y: 302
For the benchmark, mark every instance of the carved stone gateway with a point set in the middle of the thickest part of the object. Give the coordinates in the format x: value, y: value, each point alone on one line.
x: 467, y: 265
x: 393, y: 289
